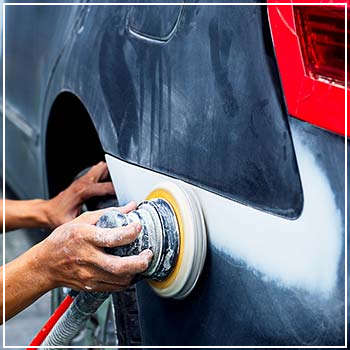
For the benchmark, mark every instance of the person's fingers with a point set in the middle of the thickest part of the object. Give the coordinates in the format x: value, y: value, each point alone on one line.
x: 97, y: 172
x: 128, y: 207
x: 99, y: 275
x: 91, y: 217
x: 114, y: 237
x: 98, y: 189
x: 129, y: 265
x: 107, y: 237
x: 105, y: 173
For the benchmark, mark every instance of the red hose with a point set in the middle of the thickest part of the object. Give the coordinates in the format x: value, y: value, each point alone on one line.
x: 45, y: 330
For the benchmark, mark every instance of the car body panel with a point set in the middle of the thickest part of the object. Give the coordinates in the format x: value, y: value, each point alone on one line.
x: 267, y: 280
x: 204, y: 90
x: 256, y: 172
x: 31, y: 55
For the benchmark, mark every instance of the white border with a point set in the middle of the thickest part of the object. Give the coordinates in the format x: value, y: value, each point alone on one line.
x: 171, y: 4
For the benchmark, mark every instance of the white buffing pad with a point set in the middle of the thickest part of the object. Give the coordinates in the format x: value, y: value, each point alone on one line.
x: 193, y: 240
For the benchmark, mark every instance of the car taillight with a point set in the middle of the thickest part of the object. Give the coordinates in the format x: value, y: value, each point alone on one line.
x: 309, y: 42
x: 321, y: 33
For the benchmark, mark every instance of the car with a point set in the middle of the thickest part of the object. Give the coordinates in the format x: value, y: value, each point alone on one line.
x: 242, y: 104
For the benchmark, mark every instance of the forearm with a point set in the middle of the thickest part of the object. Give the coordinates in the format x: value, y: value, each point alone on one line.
x: 26, y: 279
x: 28, y: 213
x: 73, y: 256
x: 61, y: 209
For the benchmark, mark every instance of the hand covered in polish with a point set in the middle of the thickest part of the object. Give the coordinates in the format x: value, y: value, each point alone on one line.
x: 75, y: 258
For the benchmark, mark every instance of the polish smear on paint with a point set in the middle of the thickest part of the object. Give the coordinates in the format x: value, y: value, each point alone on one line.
x: 302, y: 253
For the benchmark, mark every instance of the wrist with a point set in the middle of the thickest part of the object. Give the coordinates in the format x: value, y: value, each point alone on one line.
x: 41, y: 263
x: 42, y: 212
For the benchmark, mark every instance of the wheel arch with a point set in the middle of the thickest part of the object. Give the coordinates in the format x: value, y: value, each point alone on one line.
x: 71, y: 141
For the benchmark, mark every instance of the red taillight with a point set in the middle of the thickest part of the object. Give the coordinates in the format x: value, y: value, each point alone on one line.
x: 309, y: 42
x: 321, y: 33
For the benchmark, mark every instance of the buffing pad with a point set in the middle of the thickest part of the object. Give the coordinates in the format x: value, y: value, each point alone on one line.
x: 193, y: 240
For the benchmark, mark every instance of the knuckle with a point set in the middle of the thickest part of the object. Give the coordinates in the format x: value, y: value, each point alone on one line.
x: 72, y: 260
x: 88, y: 276
x: 81, y: 275
x: 76, y: 187
x: 80, y: 187
x: 75, y: 233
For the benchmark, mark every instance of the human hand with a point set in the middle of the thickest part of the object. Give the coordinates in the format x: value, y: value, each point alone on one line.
x: 67, y: 204
x: 74, y: 256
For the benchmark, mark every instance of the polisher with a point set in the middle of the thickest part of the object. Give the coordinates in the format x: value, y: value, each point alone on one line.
x: 173, y: 228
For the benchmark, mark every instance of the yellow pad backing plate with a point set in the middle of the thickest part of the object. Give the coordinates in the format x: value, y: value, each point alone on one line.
x: 163, y: 194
